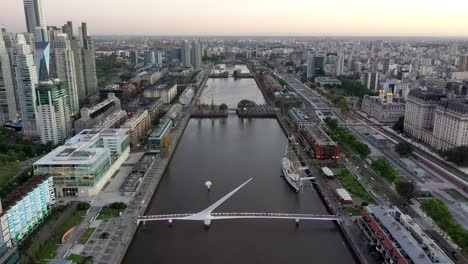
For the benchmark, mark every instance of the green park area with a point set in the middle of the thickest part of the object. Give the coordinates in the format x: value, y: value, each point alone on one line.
x: 385, y: 169
x: 13, y: 150
x: 441, y: 215
x: 109, y: 70
x: 353, y: 211
x: 353, y: 186
x: 49, y: 248
x: 8, y: 169
x: 86, y: 235
x: 78, y: 259
x: 111, y: 210
x: 345, y: 136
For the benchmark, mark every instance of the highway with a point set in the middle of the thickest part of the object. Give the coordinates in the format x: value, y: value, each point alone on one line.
x: 312, y: 98
x: 315, y: 100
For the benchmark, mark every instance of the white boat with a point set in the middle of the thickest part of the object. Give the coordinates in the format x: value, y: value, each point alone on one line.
x: 290, y: 172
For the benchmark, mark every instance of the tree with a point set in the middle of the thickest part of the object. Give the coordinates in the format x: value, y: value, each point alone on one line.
x: 385, y: 169
x: 332, y: 123
x: 404, y: 148
x: 440, y: 213
x: 342, y: 104
x: 398, y: 126
x: 361, y: 148
x: 458, y: 155
x: 126, y: 76
x: 405, y: 188
x: 117, y: 206
x: 82, y: 206
x: 282, y: 82
x: 223, y: 107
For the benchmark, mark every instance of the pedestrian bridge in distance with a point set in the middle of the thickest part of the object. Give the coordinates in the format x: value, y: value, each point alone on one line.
x: 207, y: 215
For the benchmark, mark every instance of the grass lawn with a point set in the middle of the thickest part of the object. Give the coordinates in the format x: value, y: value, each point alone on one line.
x: 8, y: 170
x: 86, y: 235
x: 80, y: 259
x: 107, y: 213
x: 354, y: 186
x: 48, y: 250
x: 353, y: 211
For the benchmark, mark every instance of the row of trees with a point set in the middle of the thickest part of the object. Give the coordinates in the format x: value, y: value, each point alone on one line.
x: 404, y: 148
x: 385, y: 169
x: 347, y: 137
x: 14, y: 147
x: 353, y: 87
x: 339, y: 101
x: 458, y: 155
x: 440, y: 213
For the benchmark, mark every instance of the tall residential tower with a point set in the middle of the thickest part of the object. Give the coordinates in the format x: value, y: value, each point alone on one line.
x: 7, y: 94
x: 53, y: 112
x: 24, y: 83
x: 35, y: 22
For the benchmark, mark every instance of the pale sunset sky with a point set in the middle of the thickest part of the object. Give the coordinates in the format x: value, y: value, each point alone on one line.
x: 252, y: 17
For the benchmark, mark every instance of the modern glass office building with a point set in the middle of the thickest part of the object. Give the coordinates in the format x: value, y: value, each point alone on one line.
x: 83, y: 165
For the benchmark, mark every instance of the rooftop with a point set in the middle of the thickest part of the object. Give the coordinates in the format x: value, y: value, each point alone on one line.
x: 162, y: 86
x: 455, y: 105
x: 319, y: 135
x: 426, y: 95
x: 79, y: 149
x: 135, y: 119
x: 16, y: 196
x: 163, y: 124
x: 403, y: 239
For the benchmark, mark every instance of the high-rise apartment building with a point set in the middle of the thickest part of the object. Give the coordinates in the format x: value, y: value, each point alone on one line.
x: 34, y: 15
x: 79, y: 70
x: 186, y: 54
x: 24, y: 83
x: 315, y: 65
x: 88, y: 60
x: 371, y: 80
x: 463, y: 63
x: 150, y: 58
x: 339, y: 67
x: 196, y: 55
x: 53, y: 112
x: 42, y: 60
x: 134, y: 58
x: 65, y: 64
x: 8, y: 108
x: 68, y: 29
x: 159, y: 58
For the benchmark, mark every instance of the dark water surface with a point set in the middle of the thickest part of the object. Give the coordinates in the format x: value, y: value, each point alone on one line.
x: 228, y: 152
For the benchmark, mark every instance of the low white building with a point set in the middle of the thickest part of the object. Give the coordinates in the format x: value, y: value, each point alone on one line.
x: 186, y: 96
x: 83, y: 165
x: 166, y: 92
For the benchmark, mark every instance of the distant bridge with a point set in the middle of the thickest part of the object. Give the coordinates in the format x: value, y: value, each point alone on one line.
x: 207, y: 215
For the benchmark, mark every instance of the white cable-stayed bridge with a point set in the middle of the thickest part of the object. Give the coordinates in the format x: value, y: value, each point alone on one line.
x: 207, y: 215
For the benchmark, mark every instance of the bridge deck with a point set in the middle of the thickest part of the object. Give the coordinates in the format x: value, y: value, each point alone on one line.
x: 220, y: 216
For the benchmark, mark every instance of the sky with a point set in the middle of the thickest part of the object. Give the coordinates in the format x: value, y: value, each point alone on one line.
x: 252, y: 17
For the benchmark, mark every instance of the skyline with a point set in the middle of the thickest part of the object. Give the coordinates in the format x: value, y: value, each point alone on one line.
x: 291, y: 18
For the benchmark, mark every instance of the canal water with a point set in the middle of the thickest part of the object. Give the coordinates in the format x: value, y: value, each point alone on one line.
x: 228, y: 152
x: 230, y: 91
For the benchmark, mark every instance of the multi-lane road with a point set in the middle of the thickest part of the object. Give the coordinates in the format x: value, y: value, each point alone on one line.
x: 314, y: 100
